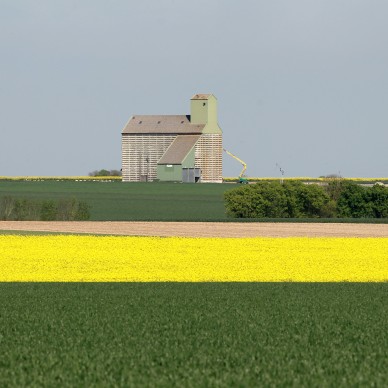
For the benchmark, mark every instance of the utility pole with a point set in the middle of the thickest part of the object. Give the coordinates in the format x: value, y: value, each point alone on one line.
x: 282, y: 172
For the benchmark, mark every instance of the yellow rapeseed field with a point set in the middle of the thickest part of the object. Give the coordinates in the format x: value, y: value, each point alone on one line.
x: 153, y: 259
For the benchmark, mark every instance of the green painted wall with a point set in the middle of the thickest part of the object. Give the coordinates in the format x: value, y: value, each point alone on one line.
x: 212, y: 128
x: 199, y: 111
x: 205, y: 112
x: 172, y: 174
x: 189, y: 160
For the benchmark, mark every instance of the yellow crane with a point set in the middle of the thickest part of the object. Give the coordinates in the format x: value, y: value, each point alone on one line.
x: 241, y: 177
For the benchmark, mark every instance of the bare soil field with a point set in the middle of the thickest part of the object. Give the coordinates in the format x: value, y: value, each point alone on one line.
x: 202, y: 229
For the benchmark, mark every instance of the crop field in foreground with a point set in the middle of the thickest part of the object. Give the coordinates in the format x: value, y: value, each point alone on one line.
x: 193, y: 334
x: 144, y: 259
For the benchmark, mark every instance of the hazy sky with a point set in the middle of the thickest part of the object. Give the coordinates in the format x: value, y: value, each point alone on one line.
x: 302, y: 84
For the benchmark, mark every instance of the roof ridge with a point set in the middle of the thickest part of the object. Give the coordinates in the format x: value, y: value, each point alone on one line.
x: 172, y: 124
x: 202, y: 96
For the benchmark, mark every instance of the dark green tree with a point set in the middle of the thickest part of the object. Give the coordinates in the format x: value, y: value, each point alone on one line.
x: 378, y: 196
x: 83, y: 211
x: 313, y: 200
x: 48, y: 211
x: 354, y: 201
x: 7, y: 206
x: 275, y: 200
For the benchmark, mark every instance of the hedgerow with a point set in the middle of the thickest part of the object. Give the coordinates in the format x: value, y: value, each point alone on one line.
x: 66, y: 209
x: 293, y: 199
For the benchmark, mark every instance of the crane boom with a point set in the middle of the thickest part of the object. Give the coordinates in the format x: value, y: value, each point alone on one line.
x: 241, y: 161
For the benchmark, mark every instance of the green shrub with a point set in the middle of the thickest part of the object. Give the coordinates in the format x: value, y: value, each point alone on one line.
x: 379, y: 198
x: 305, y: 200
x: 73, y: 210
x: 354, y: 201
x: 314, y: 200
x: 334, y: 187
x: 105, y: 172
x: 7, y: 205
x: 274, y: 200
x: 48, y: 210
x: 293, y: 199
x: 26, y: 210
x: 358, y: 201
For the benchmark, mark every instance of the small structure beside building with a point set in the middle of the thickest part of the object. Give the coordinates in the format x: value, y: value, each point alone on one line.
x: 175, y: 148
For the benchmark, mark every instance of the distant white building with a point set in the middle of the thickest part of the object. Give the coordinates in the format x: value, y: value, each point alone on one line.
x: 183, y: 148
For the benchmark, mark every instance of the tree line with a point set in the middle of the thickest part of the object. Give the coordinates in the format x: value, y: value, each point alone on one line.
x: 337, y: 198
x: 25, y: 209
x: 105, y: 172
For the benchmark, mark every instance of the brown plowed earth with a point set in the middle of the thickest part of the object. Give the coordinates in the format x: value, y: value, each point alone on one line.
x: 202, y: 229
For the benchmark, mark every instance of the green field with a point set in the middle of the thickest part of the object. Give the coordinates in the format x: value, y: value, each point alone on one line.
x: 204, y: 334
x: 117, y: 201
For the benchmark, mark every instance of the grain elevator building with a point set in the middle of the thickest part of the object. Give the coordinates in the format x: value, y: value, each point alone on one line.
x: 178, y: 148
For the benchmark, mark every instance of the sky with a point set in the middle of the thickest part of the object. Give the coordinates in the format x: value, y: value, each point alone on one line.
x: 301, y: 85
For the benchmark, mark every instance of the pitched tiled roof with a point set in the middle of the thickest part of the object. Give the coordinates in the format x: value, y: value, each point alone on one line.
x: 179, y: 124
x: 179, y: 149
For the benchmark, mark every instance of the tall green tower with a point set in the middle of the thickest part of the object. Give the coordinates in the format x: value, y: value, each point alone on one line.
x: 204, y: 111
